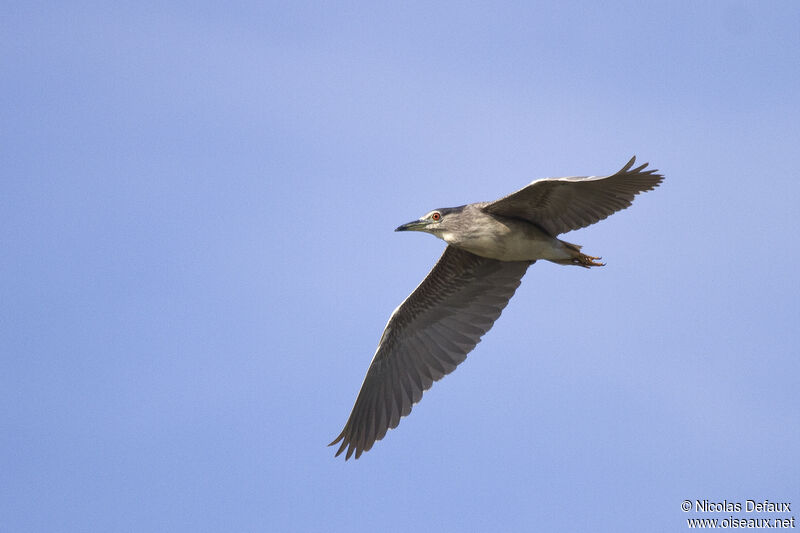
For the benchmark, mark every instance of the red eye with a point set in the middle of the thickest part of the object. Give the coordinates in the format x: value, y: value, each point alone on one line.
x: 435, y: 217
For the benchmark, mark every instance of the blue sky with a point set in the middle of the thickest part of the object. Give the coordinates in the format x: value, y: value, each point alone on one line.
x: 196, y: 213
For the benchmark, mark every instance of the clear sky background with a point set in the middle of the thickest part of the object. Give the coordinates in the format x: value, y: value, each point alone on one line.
x: 197, y: 205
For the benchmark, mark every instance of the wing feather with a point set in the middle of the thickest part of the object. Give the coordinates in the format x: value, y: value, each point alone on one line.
x: 431, y: 332
x: 559, y: 205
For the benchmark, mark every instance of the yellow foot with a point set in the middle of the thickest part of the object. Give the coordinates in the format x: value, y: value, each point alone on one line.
x: 587, y: 261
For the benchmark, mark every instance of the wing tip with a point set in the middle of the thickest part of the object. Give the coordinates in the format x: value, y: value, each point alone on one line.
x: 652, y: 173
x: 347, y: 444
x: 630, y: 164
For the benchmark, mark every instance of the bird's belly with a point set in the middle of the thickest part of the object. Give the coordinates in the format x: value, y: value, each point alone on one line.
x: 514, y: 246
x: 531, y: 249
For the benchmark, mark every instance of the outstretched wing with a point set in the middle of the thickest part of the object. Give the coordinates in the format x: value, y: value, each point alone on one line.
x: 558, y: 205
x: 427, y: 336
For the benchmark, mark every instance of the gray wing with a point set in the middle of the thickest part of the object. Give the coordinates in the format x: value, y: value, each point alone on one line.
x: 427, y: 336
x: 558, y: 205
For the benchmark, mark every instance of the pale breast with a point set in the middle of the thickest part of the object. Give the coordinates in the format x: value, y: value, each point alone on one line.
x: 507, y: 240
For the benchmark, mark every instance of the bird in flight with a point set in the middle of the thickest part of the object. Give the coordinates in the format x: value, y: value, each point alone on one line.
x: 490, y: 245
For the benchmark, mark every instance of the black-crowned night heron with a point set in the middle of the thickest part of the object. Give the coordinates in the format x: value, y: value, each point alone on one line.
x: 490, y: 246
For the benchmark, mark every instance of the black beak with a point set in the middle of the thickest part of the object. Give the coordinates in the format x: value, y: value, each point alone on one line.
x: 416, y: 225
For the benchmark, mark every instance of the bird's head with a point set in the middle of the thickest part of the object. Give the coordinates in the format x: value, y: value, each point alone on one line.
x: 435, y: 222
